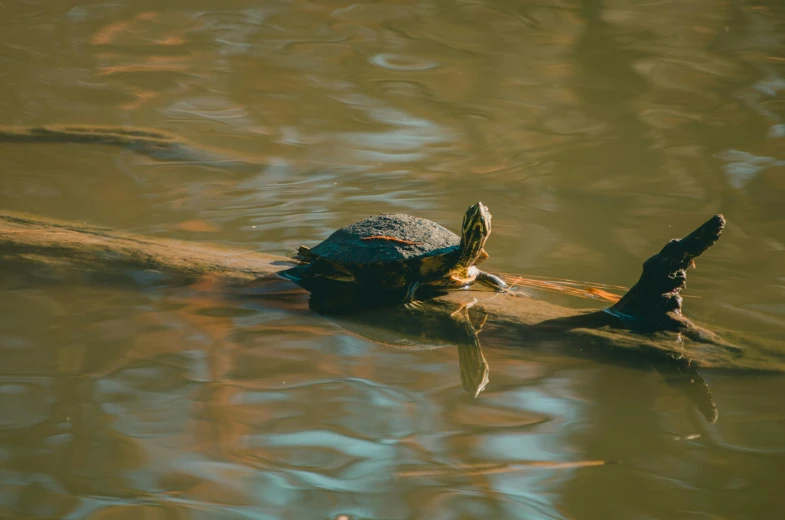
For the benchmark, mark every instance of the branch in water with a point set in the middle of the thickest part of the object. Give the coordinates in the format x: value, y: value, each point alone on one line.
x: 31, y: 246
x: 664, y: 276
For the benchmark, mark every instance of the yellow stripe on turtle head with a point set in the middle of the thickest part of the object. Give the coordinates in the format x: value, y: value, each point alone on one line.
x: 477, y: 219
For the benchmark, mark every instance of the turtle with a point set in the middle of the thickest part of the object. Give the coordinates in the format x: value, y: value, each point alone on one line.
x: 402, y: 252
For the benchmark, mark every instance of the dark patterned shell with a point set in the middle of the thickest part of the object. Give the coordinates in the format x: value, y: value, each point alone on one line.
x: 415, y: 238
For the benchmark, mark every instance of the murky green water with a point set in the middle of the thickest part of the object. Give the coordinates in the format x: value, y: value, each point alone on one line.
x: 595, y: 131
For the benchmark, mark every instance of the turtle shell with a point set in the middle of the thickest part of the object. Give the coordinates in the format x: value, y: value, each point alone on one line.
x: 387, y: 238
x: 391, y: 249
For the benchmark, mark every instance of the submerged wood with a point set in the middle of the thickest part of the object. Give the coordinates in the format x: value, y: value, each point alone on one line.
x: 648, y: 317
x: 151, y: 142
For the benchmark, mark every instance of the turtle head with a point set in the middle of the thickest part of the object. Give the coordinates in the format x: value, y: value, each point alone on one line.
x: 475, y: 231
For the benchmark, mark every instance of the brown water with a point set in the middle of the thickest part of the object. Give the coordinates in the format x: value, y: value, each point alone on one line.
x: 595, y: 131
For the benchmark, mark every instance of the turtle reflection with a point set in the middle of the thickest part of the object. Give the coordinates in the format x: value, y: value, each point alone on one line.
x: 422, y: 325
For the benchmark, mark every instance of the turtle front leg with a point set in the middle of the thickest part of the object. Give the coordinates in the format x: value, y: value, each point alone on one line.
x: 493, y: 281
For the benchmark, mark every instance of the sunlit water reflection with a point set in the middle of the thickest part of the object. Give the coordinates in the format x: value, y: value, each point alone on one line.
x: 595, y: 131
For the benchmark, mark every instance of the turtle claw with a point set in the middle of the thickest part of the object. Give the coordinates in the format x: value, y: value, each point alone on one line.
x: 413, y: 305
x: 509, y: 292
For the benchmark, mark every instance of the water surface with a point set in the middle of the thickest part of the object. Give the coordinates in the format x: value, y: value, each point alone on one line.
x: 594, y: 131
